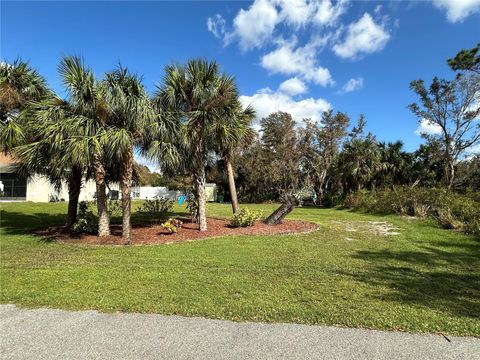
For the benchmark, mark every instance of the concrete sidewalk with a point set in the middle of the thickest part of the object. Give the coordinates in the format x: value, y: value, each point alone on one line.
x: 57, y: 334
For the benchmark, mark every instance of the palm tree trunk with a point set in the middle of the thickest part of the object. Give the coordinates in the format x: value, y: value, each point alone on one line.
x: 200, y: 180
x: 103, y: 218
x: 126, y: 185
x: 231, y: 185
x: 202, y: 211
x: 74, y: 186
x: 279, y: 214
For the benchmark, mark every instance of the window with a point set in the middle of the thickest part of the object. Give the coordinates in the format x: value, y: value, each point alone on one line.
x: 14, y: 187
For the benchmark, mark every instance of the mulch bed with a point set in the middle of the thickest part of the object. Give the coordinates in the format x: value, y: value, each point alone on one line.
x: 155, y: 234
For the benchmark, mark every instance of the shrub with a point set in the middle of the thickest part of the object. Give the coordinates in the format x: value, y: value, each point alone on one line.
x: 114, y: 207
x: 192, y: 206
x: 157, y: 207
x: 87, y: 220
x: 245, y: 217
x: 172, y: 225
x: 451, y: 210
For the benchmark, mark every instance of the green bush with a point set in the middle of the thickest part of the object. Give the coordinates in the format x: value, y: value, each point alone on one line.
x: 245, y: 217
x: 192, y: 206
x: 87, y: 220
x: 158, y: 207
x: 114, y: 207
x: 451, y: 210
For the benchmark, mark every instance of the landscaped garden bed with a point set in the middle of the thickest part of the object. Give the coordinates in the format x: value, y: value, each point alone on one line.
x: 156, y: 234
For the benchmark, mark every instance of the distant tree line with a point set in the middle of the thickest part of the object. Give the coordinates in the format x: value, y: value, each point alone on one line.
x: 331, y: 161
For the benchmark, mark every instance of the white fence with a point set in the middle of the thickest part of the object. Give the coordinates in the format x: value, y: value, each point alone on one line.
x: 152, y: 192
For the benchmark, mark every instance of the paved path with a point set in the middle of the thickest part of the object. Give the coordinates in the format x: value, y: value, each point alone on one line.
x: 57, y: 334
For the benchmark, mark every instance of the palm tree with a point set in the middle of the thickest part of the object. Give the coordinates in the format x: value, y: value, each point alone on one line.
x: 360, y: 161
x: 235, y: 133
x: 31, y: 119
x: 89, y: 126
x: 19, y: 85
x: 132, y: 123
x: 201, y: 98
x: 47, y: 152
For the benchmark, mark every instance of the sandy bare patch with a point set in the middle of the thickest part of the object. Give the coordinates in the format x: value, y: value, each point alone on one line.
x: 381, y: 228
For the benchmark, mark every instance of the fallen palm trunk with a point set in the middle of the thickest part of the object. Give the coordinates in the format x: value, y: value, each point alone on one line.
x: 279, y: 214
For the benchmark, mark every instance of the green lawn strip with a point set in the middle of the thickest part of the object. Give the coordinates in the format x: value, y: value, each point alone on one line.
x: 425, y: 279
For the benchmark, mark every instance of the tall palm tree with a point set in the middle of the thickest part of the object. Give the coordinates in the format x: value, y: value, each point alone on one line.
x: 360, y: 161
x: 132, y: 123
x: 19, y: 85
x: 47, y: 153
x: 201, y: 98
x: 31, y: 116
x: 86, y: 96
x: 235, y: 133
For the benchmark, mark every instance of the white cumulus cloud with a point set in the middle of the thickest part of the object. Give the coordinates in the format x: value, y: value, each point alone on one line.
x: 293, y: 86
x: 427, y: 127
x: 458, y: 10
x: 296, y: 12
x: 353, y: 84
x: 300, y: 61
x: 327, y: 13
x: 363, y: 37
x: 265, y: 102
x: 216, y: 25
x: 254, y: 26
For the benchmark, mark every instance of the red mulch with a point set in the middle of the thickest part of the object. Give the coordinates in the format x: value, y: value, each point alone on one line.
x: 155, y: 234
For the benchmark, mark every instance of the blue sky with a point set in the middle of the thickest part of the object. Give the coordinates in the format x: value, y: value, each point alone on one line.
x: 298, y: 56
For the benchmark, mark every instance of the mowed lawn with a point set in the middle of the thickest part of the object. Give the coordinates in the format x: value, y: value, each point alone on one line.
x: 425, y: 279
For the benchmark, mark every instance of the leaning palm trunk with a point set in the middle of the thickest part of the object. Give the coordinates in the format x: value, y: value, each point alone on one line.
x: 74, y: 186
x: 279, y: 214
x: 103, y: 217
x: 126, y: 188
x: 231, y: 185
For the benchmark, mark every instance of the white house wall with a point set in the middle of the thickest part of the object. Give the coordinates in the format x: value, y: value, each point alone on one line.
x: 39, y: 189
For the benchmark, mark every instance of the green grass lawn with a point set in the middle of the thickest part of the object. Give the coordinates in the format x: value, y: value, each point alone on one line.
x: 425, y: 279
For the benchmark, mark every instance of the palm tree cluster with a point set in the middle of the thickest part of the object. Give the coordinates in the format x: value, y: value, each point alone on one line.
x: 95, y: 131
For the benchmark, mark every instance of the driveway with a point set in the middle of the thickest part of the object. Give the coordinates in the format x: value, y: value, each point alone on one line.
x: 56, y: 334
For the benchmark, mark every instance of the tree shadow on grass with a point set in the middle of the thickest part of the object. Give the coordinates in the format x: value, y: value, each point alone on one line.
x: 447, y: 281
x: 19, y: 223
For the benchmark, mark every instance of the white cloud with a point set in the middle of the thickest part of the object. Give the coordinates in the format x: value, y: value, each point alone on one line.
x: 266, y: 102
x: 353, y: 84
x: 293, y: 86
x: 216, y: 25
x: 328, y: 13
x: 300, y: 61
x: 296, y: 12
x: 458, y: 10
x: 363, y: 37
x: 427, y: 127
x: 253, y: 27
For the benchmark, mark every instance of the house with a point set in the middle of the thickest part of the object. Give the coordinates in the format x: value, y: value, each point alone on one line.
x: 37, y: 188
